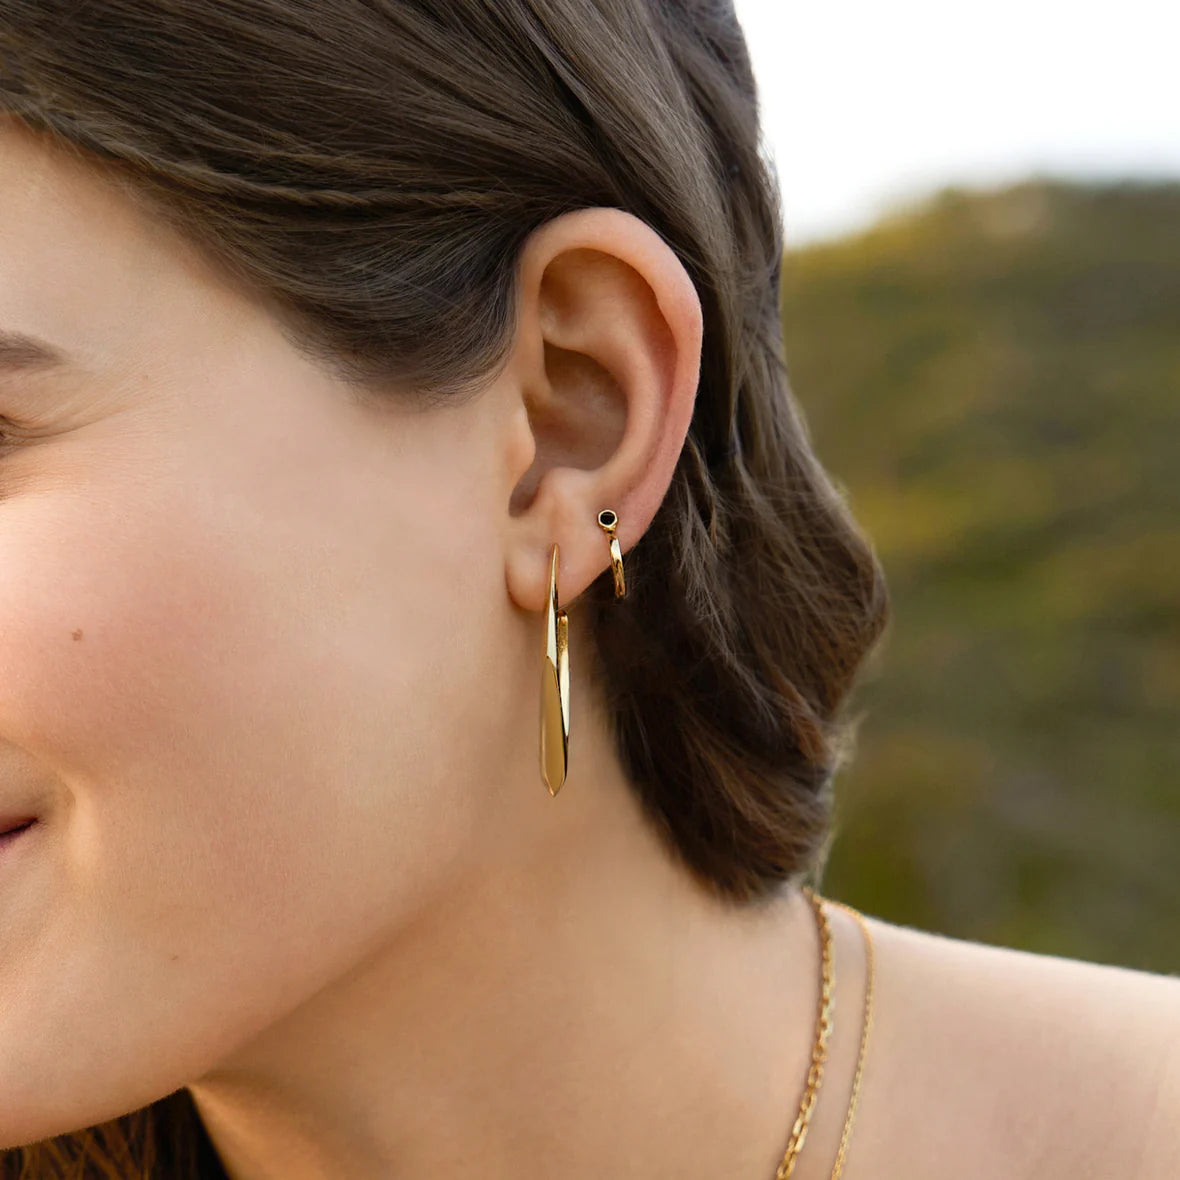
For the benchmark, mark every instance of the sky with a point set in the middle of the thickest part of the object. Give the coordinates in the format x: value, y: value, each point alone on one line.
x: 867, y: 103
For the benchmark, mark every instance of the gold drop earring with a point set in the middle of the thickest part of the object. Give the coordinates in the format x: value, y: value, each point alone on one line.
x: 555, y: 668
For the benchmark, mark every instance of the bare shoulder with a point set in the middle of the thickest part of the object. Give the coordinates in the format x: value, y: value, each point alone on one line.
x: 1003, y: 1062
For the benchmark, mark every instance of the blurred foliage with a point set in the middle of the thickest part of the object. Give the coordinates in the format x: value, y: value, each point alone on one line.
x: 993, y: 380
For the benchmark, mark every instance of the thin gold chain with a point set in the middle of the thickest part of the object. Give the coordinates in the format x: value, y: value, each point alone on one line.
x: 819, y: 1050
x: 871, y: 973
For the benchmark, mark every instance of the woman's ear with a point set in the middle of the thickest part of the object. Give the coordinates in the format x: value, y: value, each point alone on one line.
x: 605, y: 365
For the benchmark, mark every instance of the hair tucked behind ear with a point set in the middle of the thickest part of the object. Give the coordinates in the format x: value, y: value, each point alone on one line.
x: 439, y: 134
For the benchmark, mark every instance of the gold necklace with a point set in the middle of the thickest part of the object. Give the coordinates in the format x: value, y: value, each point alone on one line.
x: 819, y: 1051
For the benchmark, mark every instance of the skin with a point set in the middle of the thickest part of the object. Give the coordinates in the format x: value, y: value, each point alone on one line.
x: 271, y: 680
x: 270, y: 683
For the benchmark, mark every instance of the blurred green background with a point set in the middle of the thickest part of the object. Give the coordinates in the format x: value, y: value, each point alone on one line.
x: 993, y: 379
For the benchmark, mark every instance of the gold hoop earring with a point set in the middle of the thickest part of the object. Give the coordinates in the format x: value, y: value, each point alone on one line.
x: 555, y: 688
x: 555, y: 668
x: 608, y: 521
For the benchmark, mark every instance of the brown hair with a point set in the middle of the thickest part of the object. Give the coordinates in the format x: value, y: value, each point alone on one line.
x: 439, y: 134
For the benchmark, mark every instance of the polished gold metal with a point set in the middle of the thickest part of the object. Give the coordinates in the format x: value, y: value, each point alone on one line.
x: 608, y: 521
x: 871, y: 971
x: 819, y: 1050
x: 555, y: 676
x: 555, y: 688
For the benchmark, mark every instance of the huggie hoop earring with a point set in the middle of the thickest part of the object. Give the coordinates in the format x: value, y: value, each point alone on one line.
x: 555, y: 688
x: 608, y: 521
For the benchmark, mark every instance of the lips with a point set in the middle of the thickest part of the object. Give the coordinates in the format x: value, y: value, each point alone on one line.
x: 15, y: 823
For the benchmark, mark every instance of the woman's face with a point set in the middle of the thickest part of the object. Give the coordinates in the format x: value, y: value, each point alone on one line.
x: 249, y: 631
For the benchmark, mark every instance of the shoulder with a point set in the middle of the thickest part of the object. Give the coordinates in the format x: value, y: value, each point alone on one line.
x: 1018, y: 1063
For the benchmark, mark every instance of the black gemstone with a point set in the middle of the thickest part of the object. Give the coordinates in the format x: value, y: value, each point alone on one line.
x: 606, y: 517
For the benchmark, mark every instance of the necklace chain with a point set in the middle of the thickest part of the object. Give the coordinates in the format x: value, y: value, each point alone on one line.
x: 819, y: 1050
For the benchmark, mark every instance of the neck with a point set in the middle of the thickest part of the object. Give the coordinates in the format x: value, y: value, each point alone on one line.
x: 582, y: 1010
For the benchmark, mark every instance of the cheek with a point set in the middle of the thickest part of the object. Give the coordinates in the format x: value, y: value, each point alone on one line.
x: 120, y: 626
x: 236, y: 816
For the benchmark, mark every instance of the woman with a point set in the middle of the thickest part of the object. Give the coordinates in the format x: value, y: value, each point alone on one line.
x: 425, y: 632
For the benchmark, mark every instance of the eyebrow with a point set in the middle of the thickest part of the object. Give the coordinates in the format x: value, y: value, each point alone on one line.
x: 20, y: 353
